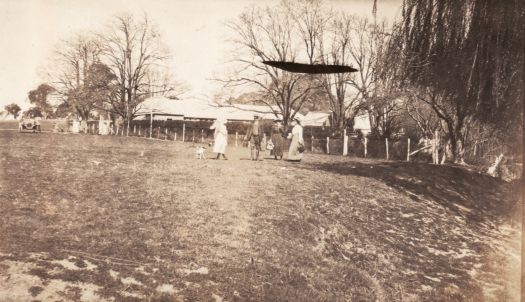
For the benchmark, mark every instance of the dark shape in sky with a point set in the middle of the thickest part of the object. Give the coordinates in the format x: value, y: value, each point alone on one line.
x: 310, y: 68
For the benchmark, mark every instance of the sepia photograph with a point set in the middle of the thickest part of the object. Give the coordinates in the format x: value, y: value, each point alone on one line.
x: 277, y: 150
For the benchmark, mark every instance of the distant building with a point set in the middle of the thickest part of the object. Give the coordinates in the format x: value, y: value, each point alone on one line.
x: 317, y: 119
x: 246, y: 112
x: 162, y: 108
x: 362, y: 124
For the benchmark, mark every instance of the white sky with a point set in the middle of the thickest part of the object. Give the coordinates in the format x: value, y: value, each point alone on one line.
x: 193, y: 30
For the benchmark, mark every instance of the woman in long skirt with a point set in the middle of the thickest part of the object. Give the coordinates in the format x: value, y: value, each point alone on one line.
x: 294, y: 153
x: 277, y: 139
x: 220, y: 137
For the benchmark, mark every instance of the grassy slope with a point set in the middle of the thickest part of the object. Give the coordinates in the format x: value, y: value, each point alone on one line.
x: 330, y: 228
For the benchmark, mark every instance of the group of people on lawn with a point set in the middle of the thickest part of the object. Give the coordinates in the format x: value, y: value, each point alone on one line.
x: 255, y: 135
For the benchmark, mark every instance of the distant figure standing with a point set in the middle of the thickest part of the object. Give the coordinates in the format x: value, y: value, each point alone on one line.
x: 254, y: 135
x: 76, y: 126
x: 103, y: 127
x: 83, y: 126
x: 220, y: 140
x: 295, y: 153
x: 277, y: 139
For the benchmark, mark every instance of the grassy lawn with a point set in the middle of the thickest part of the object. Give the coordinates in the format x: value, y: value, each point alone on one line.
x: 92, y: 218
x: 45, y: 125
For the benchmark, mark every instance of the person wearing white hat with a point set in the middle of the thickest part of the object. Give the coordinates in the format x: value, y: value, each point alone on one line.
x: 220, y: 140
x: 295, y: 153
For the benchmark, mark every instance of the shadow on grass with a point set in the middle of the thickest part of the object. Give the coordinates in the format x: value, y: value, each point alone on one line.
x: 466, y: 193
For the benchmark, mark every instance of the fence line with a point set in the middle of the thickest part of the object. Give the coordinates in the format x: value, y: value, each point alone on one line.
x: 346, y: 145
x: 480, y: 155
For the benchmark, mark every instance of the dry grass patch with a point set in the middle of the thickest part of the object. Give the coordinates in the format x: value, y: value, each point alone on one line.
x: 136, y: 219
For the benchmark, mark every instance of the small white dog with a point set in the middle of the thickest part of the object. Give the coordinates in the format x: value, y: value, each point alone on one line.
x: 199, y: 153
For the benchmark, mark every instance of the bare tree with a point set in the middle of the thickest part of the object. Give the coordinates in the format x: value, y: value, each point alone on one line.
x: 132, y: 50
x: 269, y: 34
x: 423, y: 115
x: 336, y: 85
x: 311, y: 18
x: 385, y: 113
x: 366, y: 43
x: 161, y: 82
x: 354, y: 41
x: 73, y: 65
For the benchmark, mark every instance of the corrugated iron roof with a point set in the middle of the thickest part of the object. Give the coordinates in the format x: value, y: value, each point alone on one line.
x: 196, y: 109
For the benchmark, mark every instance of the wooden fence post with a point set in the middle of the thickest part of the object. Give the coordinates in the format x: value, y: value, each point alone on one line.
x: 366, y: 146
x: 327, y: 145
x: 433, y: 150
x: 312, y: 135
x: 202, y: 135
x: 183, y: 131
x: 193, y: 135
x: 408, y: 149
x: 236, y: 136
x: 166, y: 134
x: 134, y: 129
x: 117, y: 130
x: 158, y: 133
x: 436, y: 136
x: 386, y: 142
x: 345, y: 143
x: 151, y: 125
x: 175, y: 137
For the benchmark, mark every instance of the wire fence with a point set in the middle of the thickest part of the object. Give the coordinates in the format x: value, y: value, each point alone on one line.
x: 321, y: 140
x: 316, y: 139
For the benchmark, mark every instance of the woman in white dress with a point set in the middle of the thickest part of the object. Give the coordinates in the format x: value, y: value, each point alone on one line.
x: 220, y: 137
x: 295, y: 153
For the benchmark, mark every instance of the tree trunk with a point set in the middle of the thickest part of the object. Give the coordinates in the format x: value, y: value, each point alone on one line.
x: 459, y: 151
x: 435, y: 147
x: 493, y: 170
x: 456, y: 142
